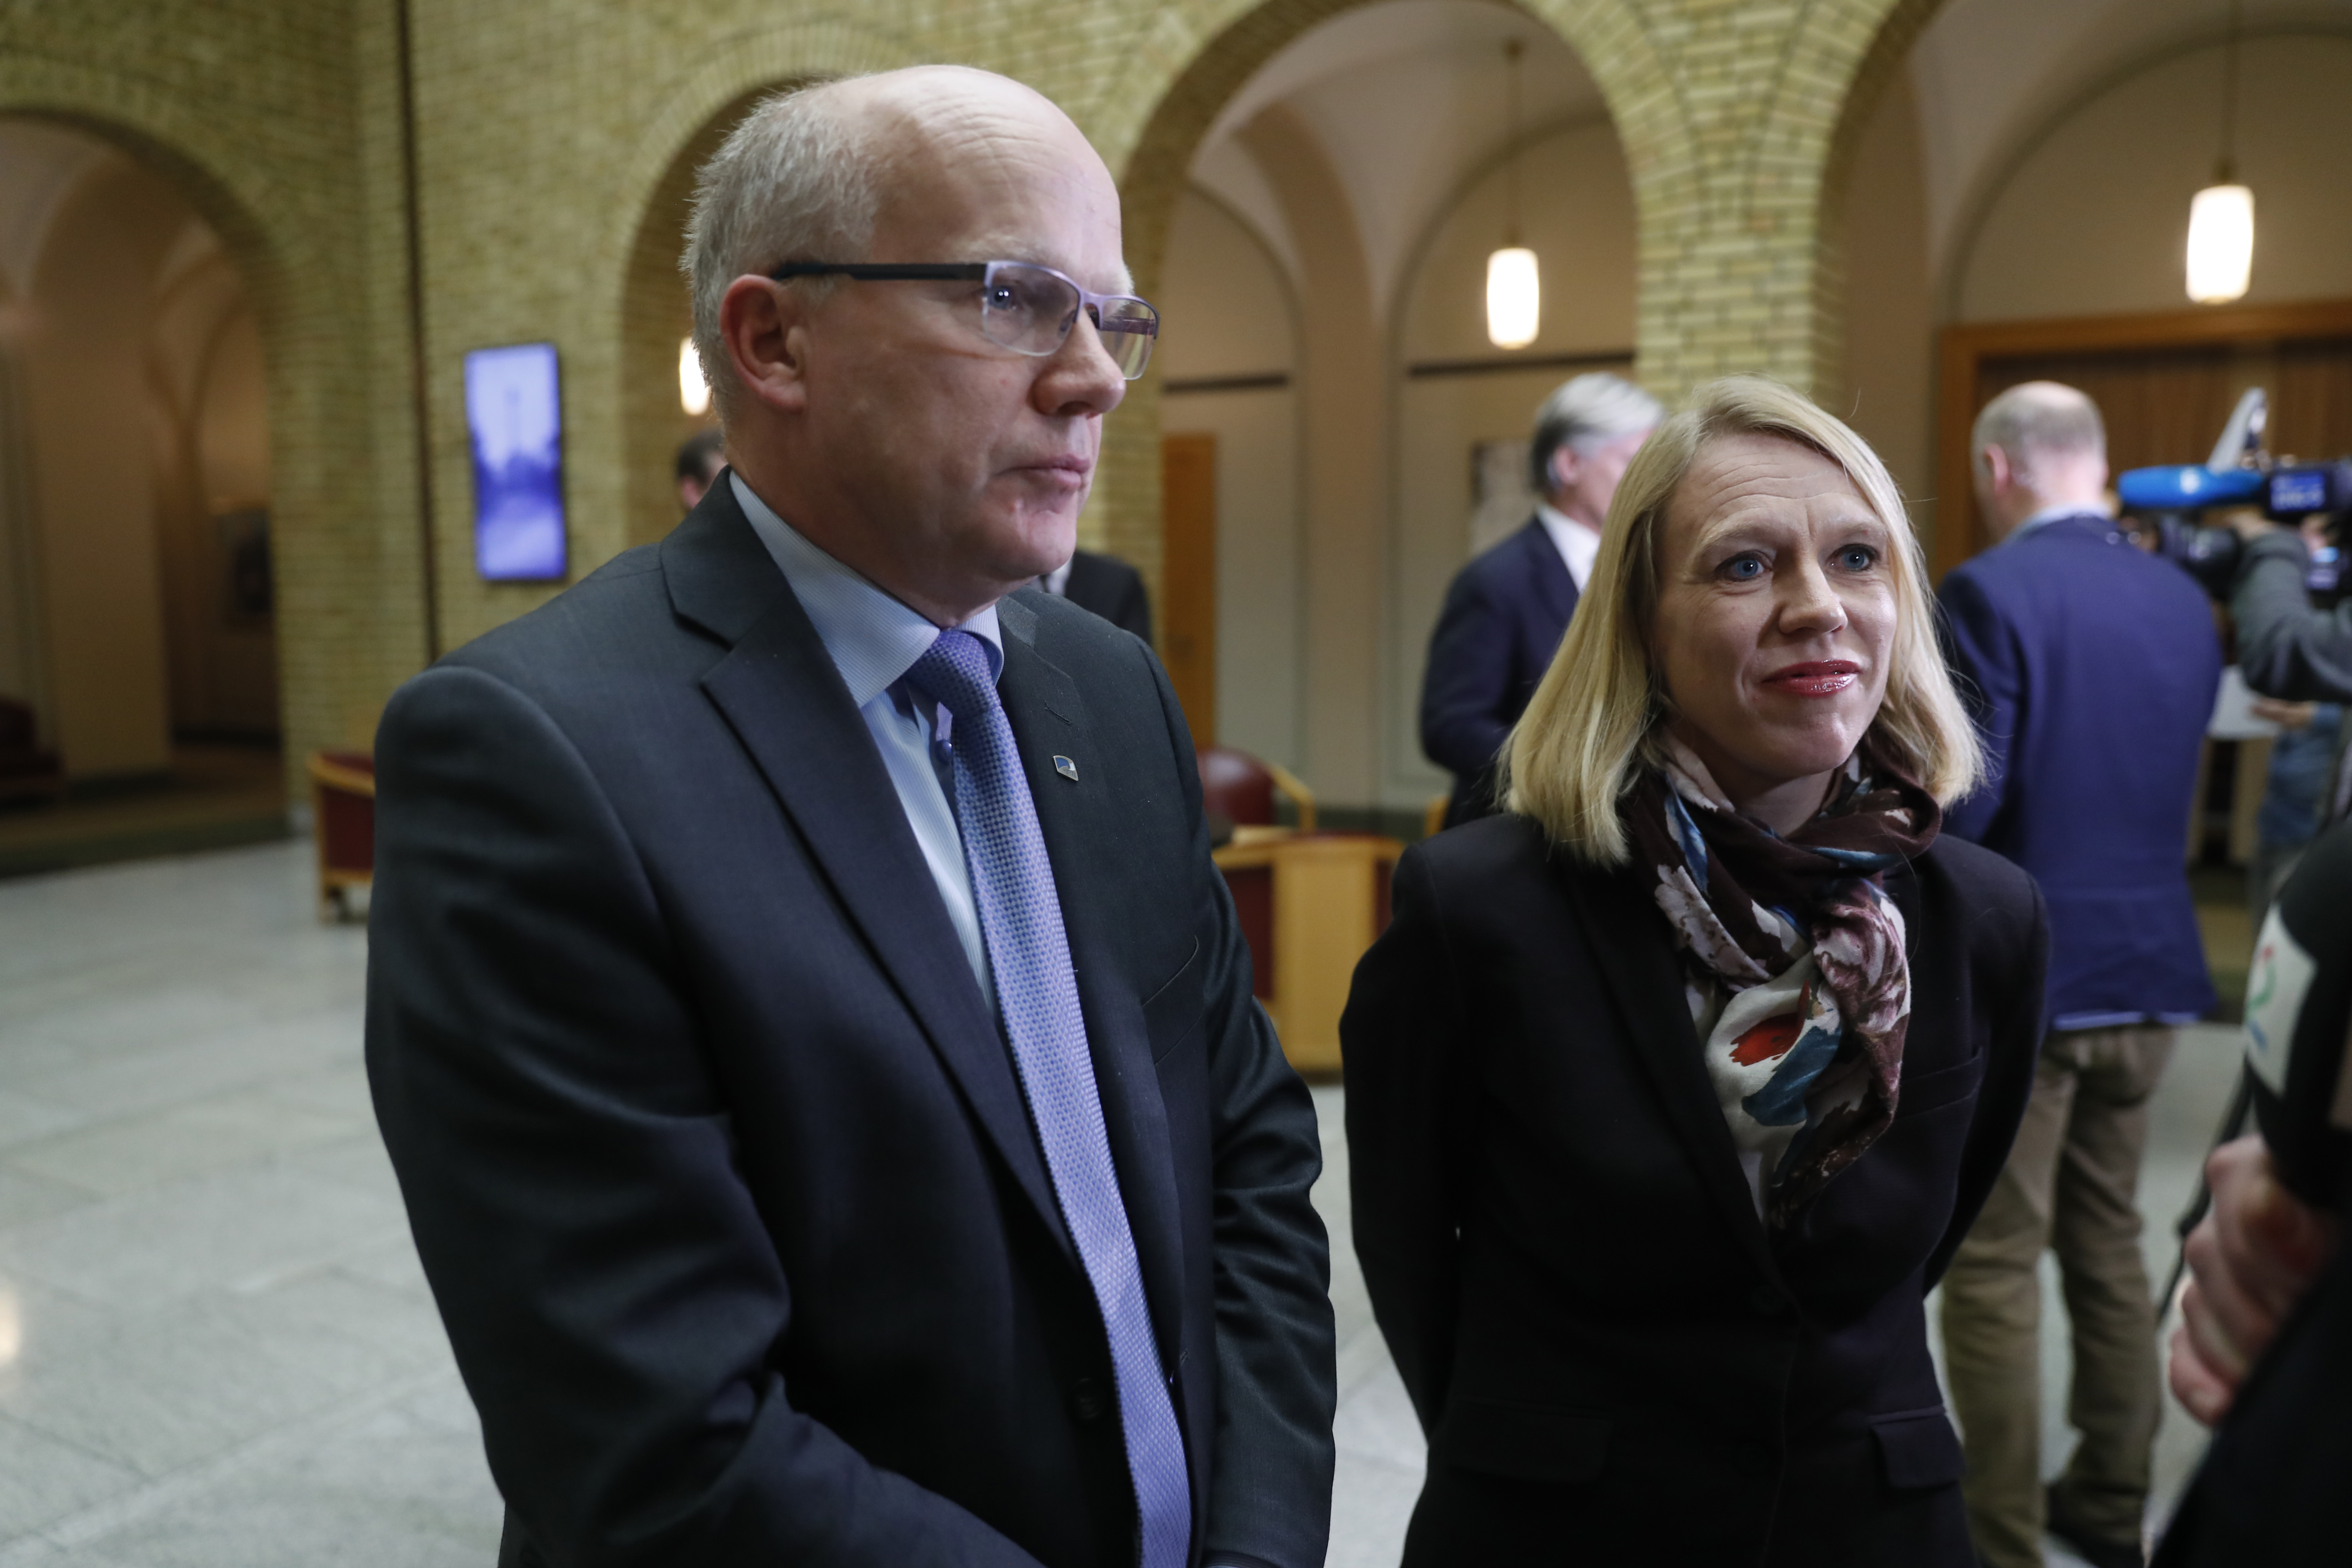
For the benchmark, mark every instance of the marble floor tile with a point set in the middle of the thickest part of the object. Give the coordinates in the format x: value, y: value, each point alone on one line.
x: 132, y: 1153
x: 213, y: 1231
x: 23, y: 1118
x: 42, y: 1479
x: 158, y: 1390
x: 25, y: 1198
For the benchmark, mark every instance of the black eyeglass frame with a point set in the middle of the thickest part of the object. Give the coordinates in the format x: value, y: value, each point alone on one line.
x: 1146, y: 327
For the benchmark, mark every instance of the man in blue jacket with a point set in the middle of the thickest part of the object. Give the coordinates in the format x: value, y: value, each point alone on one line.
x: 1509, y: 609
x: 2091, y: 667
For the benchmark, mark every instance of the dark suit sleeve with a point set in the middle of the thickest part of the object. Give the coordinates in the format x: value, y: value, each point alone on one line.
x: 611, y: 1292
x: 1270, y: 1478
x: 2008, y: 974
x: 1465, y: 690
x: 1401, y: 1035
x: 2286, y: 648
x: 1986, y: 667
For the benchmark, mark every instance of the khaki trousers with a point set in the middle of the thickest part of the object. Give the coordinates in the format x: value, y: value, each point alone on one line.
x: 2071, y: 1183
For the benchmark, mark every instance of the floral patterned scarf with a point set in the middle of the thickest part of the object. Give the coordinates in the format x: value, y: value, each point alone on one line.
x: 1797, y: 939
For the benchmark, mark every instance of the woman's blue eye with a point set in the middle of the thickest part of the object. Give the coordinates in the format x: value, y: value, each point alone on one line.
x: 1744, y: 568
x: 1858, y: 557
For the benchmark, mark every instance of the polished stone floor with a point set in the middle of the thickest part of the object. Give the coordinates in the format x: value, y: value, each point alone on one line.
x: 215, y: 1348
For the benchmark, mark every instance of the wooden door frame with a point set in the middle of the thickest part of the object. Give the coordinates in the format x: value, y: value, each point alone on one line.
x: 1965, y: 348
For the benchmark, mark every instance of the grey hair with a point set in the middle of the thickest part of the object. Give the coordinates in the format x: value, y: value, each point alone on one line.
x: 791, y: 183
x: 1581, y: 413
x: 2037, y: 419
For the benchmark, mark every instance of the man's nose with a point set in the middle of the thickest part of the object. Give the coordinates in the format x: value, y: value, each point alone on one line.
x: 1080, y: 377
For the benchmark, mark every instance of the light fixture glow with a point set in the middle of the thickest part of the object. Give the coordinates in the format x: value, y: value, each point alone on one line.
x: 1513, y: 298
x: 2221, y: 215
x: 1514, y: 293
x: 2221, y: 244
x: 693, y: 392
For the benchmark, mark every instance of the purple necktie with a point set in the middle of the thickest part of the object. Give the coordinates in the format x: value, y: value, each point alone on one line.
x: 1038, y: 995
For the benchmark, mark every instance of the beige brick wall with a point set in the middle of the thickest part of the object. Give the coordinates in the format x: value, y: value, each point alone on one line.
x: 555, y: 140
x: 255, y: 111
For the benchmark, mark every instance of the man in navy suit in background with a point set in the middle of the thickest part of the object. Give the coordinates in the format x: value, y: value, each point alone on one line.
x: 2092, y: 667
x: 1509, y: 607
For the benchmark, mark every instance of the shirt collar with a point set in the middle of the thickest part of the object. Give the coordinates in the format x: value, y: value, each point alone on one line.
x: 2053, y: 513
x: 872, y: 638
x: 1577, y: 543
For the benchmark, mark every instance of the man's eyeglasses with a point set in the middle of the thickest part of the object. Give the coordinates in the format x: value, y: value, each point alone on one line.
x: 1024, y: 307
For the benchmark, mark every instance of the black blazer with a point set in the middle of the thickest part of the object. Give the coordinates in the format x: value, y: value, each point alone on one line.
x: 1502, y: 620
x: 1111, y: 589
x: 1614, y: 1360
x: 715, y: 1157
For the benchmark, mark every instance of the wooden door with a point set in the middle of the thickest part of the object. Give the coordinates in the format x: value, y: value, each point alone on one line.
x: 2164, y: 385
x: 1188, y: 577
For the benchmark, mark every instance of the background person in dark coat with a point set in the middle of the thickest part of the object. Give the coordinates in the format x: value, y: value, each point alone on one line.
x: 1105, y: 586
x: 1649, y: 1181
x: 1506, y: 612
x: 700, y: 459
x: 2090, y: 667
x: 809, y: 1172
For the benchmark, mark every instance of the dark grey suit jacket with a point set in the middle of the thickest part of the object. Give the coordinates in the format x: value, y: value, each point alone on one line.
x: 715, y: 1157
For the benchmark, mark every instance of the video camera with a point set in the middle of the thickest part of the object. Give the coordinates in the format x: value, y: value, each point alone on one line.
x: 2241, y: 472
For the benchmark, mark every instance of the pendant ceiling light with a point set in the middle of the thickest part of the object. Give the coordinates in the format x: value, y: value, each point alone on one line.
x: 2221, y: 217
x: 1514, y: 292
x: 693, y: 392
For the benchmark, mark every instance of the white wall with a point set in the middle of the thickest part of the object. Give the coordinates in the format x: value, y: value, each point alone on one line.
x: 2095, y: 219
x: 1578, y: 217
x: 1346, y: 158
x: 1228, y: 313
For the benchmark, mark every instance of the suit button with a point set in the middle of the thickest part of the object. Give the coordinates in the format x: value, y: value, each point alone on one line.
x: 1088, y: 1400
x: 1767, y: 1301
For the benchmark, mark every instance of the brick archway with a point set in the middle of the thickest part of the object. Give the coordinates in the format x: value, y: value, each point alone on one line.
x: 1148, y: 121
x: 639, y: 250
x: 345, y: 556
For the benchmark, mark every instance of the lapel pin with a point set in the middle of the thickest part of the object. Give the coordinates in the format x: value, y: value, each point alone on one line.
x: 1067, y: 768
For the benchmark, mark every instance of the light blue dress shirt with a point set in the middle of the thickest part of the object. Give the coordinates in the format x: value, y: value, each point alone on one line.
x: 874, y: 641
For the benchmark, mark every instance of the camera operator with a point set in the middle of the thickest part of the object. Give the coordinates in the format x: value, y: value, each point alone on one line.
x: 2266, y: 1343
x: 2286, y: 648
x: 2265, y: 1349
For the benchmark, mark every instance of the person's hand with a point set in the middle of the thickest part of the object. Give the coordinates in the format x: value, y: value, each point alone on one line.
x: 2285, y: 715
x: 2250, y: 1259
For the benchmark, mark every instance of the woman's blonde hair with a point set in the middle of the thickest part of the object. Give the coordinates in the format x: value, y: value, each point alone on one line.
x: 1593, y: 721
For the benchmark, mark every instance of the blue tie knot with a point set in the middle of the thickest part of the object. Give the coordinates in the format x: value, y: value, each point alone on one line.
x: 953, y: 672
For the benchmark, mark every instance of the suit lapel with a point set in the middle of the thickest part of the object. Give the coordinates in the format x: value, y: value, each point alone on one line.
x: 781, y: 695
x: 1646, y: 979
x: 1077, y: 817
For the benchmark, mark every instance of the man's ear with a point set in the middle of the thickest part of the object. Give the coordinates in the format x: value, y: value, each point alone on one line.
x: 1562, y: 467
x: 1998, y: 472
x: 764, y: 325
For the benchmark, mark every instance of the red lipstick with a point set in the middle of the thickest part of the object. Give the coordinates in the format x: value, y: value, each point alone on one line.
x: 1815, y: 677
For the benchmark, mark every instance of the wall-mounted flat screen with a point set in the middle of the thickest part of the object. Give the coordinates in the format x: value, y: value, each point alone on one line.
x: 514, y: 415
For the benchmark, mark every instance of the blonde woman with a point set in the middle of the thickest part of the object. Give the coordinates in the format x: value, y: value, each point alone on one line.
x: 1671, y: 1092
